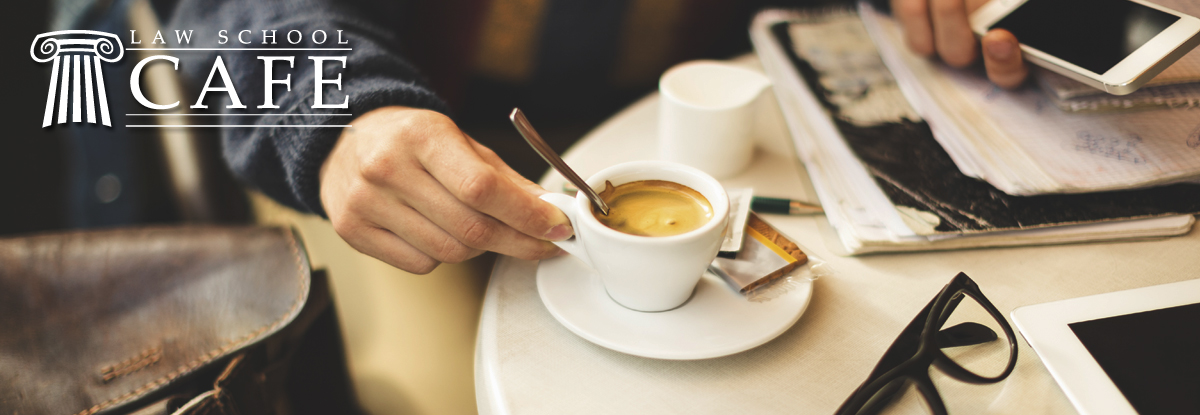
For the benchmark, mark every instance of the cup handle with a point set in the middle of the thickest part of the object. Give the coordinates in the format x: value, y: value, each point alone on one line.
x: 573, y: 246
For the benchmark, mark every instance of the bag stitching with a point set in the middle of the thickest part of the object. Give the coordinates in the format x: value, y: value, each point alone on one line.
x: 141, y: 361
x: 207, y: 357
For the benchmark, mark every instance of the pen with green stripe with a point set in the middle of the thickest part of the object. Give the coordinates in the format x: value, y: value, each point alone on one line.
x: 761, y: 204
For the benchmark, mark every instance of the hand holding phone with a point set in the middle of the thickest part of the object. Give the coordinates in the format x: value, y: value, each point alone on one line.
x: 1113, y: 45
x: 942, y: 28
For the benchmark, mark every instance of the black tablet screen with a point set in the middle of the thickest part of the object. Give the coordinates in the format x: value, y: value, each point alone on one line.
x: 1153, y: 357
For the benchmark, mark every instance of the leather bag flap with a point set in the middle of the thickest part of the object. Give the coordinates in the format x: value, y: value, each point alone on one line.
x: 95, y: 319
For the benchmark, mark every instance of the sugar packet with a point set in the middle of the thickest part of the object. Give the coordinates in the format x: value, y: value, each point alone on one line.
x: 765, y: 256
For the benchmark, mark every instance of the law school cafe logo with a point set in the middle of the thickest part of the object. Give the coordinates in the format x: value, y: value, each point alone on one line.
x: 76, y: 73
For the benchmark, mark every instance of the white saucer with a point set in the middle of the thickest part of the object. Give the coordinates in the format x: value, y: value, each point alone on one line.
x: 716, y: 321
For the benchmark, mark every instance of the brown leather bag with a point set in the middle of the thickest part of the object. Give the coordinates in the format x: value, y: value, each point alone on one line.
x: 195, y: 320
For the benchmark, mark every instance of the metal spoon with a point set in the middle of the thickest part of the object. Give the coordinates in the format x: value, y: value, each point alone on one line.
x: 548, y: 154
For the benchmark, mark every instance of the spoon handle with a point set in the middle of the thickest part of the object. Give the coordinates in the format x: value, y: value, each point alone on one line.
x: 548, y: 154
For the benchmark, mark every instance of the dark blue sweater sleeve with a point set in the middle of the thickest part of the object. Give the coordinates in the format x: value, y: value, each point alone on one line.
x: 284, y: 162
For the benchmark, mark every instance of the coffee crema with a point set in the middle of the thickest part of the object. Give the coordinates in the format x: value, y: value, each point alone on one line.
x: 653, y: 208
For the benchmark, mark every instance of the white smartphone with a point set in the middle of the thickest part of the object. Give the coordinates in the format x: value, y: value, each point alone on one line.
x: 1114, y: 45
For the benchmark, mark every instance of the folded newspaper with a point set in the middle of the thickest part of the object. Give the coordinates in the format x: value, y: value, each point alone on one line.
x: 887, y: 185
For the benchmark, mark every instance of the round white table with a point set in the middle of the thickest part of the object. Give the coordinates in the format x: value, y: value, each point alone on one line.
x: 527, y: 363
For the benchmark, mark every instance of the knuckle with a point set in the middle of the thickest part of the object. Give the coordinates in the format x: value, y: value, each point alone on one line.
x: 485, y: 152
x: 377, y: 167
x: 419, y: 266
x: 451, y: 251
x: 428, y: 117
x: 439, y: 120
x: 414, y: 127
x: 478, y: 232
x: 344, y: 228
x: 476, y: 188
x: 357, y: 197
x: 424, y: 123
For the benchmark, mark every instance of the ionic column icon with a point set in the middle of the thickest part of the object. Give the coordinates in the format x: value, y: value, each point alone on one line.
x: 76, y: 52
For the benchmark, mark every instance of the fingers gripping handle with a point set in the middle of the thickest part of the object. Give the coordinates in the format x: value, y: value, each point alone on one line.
x: 567, y: 205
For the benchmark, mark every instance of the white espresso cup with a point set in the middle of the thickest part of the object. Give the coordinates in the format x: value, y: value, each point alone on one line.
x: 706, y: 115
x: 645, y: 273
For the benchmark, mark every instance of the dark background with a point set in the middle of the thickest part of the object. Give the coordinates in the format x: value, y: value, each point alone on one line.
x: 32, y: 169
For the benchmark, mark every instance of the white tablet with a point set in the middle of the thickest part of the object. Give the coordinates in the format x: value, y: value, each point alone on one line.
x: 1127, y: 352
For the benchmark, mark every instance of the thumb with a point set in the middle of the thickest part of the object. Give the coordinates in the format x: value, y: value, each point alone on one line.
x: 1002, y: 58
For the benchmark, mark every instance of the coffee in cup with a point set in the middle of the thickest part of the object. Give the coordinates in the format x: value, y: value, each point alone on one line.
x: 653, y: 208
x: 648, y: 273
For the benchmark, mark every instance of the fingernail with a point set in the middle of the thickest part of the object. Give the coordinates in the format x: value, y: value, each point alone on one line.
x: 559, y: 233
x: 1001, y: 50
x: 562, y: 253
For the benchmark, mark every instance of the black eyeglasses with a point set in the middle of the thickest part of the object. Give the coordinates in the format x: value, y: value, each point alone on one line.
x: 920, y: 345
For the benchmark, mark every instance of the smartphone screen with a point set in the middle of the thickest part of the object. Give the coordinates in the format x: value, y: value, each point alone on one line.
x: 1092, y: 34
